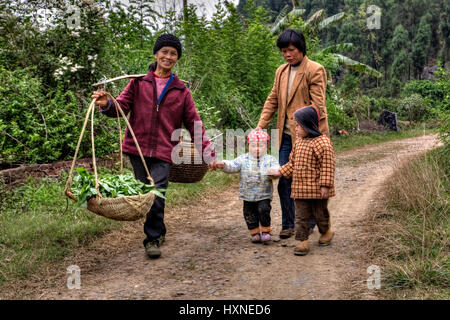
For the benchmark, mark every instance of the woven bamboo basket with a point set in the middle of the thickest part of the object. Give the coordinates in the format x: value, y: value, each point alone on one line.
x: 126, y: 208
x: 188, y: 172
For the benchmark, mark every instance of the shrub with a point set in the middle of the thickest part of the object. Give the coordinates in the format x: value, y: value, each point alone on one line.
x: 338, y: 118
x: 39, y: 128
x: 413, y: 107
x: 425, y: 88
x: 436, y: 92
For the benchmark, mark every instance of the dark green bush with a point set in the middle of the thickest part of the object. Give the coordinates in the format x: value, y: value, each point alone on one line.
x: 435, y: 92
x: 38, y: 128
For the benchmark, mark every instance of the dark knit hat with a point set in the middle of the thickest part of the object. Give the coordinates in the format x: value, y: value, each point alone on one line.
x: 167, y: 40
x: 308, y: 118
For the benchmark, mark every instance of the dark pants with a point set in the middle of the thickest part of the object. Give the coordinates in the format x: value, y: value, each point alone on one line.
x: 304, y: 210
x: 159, y: 171
x: 256, y: 213
x: 284, y: 188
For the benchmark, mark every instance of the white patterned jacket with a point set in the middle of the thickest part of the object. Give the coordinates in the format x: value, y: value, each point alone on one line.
x: 255, y: 184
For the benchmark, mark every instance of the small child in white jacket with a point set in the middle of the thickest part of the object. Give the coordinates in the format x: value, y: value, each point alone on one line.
x: 256, y: 187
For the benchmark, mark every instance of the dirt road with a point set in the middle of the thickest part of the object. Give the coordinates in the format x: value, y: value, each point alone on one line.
x: 208, y: 254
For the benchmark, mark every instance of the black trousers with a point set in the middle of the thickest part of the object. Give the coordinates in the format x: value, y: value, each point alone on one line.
x: 159, y: 171
x: 256, y: 213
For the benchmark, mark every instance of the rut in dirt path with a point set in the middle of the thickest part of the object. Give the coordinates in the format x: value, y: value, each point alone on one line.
x: 208, y: 254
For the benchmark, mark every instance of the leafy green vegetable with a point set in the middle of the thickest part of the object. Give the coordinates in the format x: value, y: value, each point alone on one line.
x: 110, y: 185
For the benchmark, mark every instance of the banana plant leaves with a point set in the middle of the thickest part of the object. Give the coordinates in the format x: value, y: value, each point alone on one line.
x: 284, y: 19
x: 333, y: 19
x: 355, y: 65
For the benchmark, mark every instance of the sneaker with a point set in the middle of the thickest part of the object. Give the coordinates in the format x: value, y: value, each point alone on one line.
x: 302, y: 248
x: 152, y: 247
x: 286, y: 233
x: 161, y: 239
x: 256, y: 238
x: 325, y: 239
x: 265, y: 237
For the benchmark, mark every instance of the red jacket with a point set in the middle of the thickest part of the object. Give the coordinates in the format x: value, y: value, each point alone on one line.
x: 152, y: 124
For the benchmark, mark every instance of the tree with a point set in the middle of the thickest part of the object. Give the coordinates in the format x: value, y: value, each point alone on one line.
x: 400, y: 47
x: 421, y: 46
x: 273, y: 6
x: 373, y: 46
x: 444, y: 29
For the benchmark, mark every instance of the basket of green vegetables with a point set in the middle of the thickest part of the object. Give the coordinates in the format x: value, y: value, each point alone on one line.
x: 118, y: 197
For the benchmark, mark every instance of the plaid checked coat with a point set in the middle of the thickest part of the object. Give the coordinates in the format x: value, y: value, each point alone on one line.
x: 311, y: 166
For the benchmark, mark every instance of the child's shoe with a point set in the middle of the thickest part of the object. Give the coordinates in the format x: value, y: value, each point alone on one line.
x: 265, y: 237
x: 256, y: 238
x: 302, y: 248
x: 325, y: 239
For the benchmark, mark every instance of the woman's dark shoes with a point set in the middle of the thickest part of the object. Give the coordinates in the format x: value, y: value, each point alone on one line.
x: 152, y: 247
x: 286, y: 233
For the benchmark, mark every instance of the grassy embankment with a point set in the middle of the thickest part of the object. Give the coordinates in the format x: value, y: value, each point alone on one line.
x: 410, y: 230
x: 35, y: 230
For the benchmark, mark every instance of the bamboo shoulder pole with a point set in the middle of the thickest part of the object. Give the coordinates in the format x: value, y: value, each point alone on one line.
x: 127, y: 76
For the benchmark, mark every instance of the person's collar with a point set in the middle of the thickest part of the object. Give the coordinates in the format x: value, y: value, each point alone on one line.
x: 150, y: 76
x: 156, y: 76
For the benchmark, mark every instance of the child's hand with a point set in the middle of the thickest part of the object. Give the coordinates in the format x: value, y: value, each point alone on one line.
x: 325, y: 192
x: 220, y: 165
x: 217, y: 165
x: 212, y: 165
x: 274, y: 173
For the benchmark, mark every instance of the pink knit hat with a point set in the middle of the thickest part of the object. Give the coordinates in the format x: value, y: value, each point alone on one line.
x: 258, y: 135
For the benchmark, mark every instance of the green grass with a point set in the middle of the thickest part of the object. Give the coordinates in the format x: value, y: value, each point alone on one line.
x: 35, y: 229
x: 415, y: 247
x: 342, y: 143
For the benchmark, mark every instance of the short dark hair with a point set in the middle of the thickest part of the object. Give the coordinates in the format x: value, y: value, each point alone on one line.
x: 294, y: 37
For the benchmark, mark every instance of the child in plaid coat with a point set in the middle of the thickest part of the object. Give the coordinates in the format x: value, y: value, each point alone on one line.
x: 311, y: 166
x: 256, y: 187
